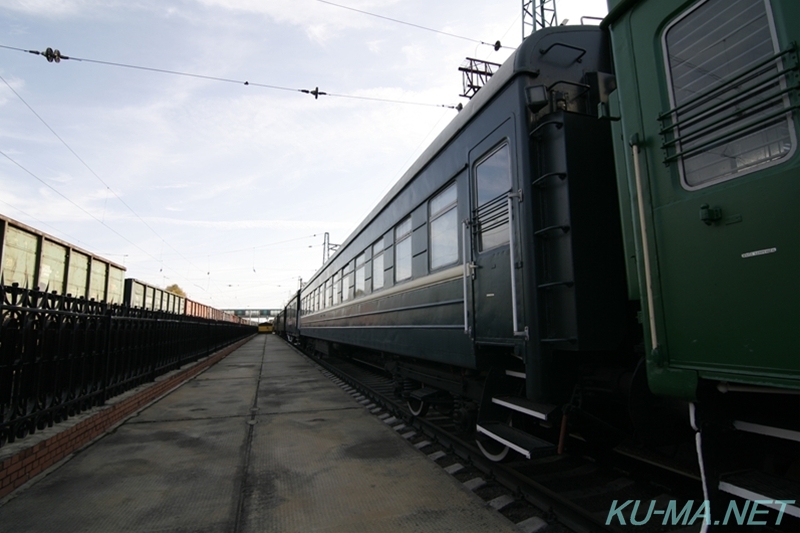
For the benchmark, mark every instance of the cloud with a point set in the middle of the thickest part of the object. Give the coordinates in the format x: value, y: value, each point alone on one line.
x: 229, y: 225
x: 50, y: 8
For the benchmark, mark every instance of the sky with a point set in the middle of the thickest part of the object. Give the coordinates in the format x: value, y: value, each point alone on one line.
x: 223, y: 188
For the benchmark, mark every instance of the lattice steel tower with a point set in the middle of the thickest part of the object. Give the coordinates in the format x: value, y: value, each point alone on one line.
x: 538, y: 14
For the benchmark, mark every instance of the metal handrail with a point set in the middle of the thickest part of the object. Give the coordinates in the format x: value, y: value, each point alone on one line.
x: 512, y: 255
x: 465, y: 249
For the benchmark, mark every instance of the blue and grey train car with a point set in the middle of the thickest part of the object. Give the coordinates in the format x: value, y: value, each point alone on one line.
x: 496, y: 262
x: 519, y: 273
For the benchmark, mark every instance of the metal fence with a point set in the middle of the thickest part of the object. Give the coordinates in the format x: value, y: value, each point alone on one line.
x: 60, y: 356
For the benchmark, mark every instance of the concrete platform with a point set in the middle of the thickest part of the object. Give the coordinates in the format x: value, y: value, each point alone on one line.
x: 261, y: 442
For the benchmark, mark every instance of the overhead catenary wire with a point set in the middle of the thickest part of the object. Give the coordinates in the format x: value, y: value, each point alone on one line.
x: 55, y: 56
x: 497, y: 45
x: 85, y: 164
x: 123, y: 237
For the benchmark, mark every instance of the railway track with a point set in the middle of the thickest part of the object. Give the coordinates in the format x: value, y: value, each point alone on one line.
x: 572, y: 492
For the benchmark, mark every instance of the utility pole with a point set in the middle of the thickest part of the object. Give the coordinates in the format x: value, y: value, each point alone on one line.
x: 538, y: 14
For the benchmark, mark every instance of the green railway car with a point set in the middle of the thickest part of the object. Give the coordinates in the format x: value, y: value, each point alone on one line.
x: 708, y: 170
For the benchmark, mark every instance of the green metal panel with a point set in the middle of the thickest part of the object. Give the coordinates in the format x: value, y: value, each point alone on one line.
x: 53, y: 268
x: 97, y: 283
x: 116, y: 285
x: 19, y: 257
x: 78, y: 279
x: 726, y: 294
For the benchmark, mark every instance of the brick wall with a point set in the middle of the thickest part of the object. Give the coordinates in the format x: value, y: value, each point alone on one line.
x: 24, y: 465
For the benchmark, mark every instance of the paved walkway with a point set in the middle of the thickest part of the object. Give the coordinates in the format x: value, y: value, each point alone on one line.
x: 261, y: 442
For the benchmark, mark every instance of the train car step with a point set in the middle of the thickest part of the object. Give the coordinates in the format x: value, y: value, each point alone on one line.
x: 517, y: 440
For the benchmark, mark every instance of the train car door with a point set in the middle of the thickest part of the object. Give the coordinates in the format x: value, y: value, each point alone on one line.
x: 492, y: 220
x: 722, y: 174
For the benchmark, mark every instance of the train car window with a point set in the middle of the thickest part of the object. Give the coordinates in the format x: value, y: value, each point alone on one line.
x: 402, y: 250
x: 327, y: 294
x: 361, y: 270
x: 337, y: 287
x: 347, y: 281
x: 377, y: 265
x: 19, y: 258
x: 730, y: 111
x: 492, y: 183
x: 444, y: 228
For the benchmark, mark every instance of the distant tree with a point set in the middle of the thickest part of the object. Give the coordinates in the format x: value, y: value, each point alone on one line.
x: 174, y: 289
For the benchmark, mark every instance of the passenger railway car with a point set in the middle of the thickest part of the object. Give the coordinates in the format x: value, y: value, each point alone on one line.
x: 593, y: 245
x: 497, y: 260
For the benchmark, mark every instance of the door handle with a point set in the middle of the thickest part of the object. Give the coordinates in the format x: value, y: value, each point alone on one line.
x: 709, y: 215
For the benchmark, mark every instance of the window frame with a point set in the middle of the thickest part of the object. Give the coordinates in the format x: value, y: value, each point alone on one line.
x: 505, y: 143
x: 668, y: 71
x: 450, y: 207
x: 360, y: 277
x: 376, y: 254
x: 405, y: 240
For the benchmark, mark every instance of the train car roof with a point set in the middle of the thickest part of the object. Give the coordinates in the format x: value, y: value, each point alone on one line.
x: 518, y: 63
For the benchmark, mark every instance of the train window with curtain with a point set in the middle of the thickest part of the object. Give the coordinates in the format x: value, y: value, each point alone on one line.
x: 361, y: 271
x: 377, y: 265
x: 444, y: 228
x: 402, y: 250
x: 492, y: 184
x: 730, y: 112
